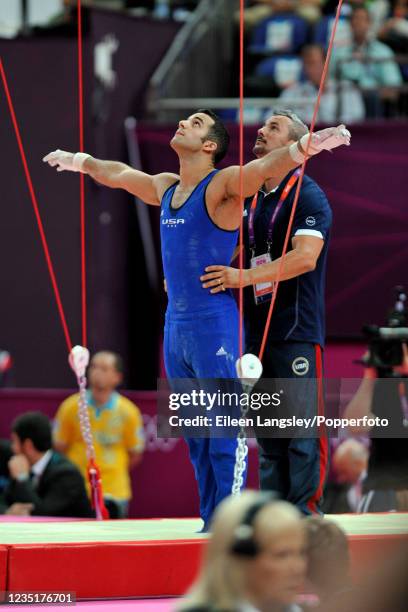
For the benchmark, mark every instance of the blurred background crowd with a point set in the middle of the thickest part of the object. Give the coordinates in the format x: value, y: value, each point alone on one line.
x: 285, y: 45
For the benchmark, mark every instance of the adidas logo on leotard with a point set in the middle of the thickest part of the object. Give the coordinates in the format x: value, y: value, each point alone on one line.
x: 221, y: 351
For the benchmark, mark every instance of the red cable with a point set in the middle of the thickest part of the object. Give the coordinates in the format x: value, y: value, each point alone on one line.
x: 241, y: 177
x: 82, y: 177
x: 36, y: 210
x: 300, y: 180
x: 95, y: 482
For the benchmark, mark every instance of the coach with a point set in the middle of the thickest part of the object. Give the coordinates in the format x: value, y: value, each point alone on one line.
x: 295, y: 467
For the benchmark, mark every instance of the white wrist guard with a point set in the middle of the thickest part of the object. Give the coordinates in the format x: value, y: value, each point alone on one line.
x: 297, y: 150
x: 79, y: 161
x: 296, y: 154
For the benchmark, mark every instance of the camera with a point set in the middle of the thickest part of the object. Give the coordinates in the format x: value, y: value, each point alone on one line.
x: 386, y: 343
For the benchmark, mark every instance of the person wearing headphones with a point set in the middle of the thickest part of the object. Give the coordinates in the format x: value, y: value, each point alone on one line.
x: 255, y: 560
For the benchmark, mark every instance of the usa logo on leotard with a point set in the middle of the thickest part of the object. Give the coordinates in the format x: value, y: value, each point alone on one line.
x: 172, y: 222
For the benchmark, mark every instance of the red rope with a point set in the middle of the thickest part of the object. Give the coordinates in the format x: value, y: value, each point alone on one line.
x: 299, y: 183
x: 94, y: 477
x: 241, y: 176
x: 36, y: 209
x: 82, y: 177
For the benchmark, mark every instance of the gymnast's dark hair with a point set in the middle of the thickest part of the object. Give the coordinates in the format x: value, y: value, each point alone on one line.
x: 34, y: 426
x: 218, y: 134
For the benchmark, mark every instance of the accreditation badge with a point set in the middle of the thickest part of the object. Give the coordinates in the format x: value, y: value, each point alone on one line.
x: 262, y: 291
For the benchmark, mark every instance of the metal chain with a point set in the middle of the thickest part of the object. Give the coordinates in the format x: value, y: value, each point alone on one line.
x: 84, y: 421
x: 86, y: 431
x: 241, y: 451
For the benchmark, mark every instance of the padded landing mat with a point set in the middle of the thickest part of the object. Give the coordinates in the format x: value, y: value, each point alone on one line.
x: 100, y: 531
x: 171, y: 529
x: 149, y: 558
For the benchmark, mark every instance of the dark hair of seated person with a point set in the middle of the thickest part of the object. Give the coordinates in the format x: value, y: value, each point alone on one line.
x: 34, y: 426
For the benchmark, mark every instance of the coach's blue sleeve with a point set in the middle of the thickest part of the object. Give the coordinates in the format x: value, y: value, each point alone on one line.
x: 313, y: 216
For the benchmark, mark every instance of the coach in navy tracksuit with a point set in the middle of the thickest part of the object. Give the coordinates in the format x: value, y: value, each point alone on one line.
x: 295, y: 467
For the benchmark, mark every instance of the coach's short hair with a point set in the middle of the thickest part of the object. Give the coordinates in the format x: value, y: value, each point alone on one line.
x: 297, y: 128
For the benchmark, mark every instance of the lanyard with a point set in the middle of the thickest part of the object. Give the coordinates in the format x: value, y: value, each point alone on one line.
x: 251, y: 217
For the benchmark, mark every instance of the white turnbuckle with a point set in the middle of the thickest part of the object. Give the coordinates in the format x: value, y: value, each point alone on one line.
x: 79, y: 360
x: 249, y: 370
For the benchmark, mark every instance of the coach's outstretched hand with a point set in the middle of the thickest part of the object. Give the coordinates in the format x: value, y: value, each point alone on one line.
x: 64, y: 160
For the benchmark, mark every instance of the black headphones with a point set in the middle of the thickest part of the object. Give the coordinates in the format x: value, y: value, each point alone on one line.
x: 244, y: 543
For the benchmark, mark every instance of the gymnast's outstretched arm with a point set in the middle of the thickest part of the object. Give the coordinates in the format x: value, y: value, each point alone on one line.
x: 279, y: 162
x: 147, y: 187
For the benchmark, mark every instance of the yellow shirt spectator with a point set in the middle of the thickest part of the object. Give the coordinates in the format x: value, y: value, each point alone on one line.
x: 117, y: 428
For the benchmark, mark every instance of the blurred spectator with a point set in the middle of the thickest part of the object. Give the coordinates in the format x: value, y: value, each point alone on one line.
x: 328, y: 561
x: 367, y: 62
x: 310, y: 10
x: 283, y: 32
x: 385, y: 590
x: 394, y: 31
x: 349, y: 467
x: 385, y: 488
x: 5, y: 456
x: 278, y: 37
x: 261, y: 9
x: 378, y: 9
x: 43, y: 483
x: 6, y: 365
x: 350, y: 461
x: 323, y: 31
x: 255, y: 13
x: 162, y: 9
x: 254, y: 560
x: 340, y: 101
x: 117, y: 428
